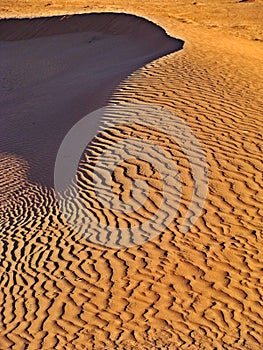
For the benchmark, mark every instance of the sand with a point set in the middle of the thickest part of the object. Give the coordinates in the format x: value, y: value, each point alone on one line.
x: 196, y: 290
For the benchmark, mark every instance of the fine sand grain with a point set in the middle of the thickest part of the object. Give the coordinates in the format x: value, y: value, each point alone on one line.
x: 197, y: 290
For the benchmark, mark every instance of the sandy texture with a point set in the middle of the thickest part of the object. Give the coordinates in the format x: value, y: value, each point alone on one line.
x: 54, y: 68
x: 198, y: 290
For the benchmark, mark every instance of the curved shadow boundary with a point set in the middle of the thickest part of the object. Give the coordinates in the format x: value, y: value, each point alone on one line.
x: 55, y: 70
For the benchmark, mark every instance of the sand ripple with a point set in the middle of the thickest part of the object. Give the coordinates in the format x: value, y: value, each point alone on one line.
x: 196, y: 290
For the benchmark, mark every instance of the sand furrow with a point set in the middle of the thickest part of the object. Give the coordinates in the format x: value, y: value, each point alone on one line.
x: 196, y: 290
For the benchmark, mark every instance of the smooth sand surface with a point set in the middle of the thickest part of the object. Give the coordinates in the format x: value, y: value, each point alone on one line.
x: 196, y: 290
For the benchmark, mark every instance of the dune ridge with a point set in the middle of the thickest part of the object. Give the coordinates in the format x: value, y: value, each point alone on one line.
x: 110, y: 23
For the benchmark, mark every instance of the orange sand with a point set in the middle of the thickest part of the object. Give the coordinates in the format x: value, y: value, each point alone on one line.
x: 198, y: 290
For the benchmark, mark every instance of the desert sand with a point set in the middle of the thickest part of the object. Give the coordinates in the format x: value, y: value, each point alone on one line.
x: 201, y: 61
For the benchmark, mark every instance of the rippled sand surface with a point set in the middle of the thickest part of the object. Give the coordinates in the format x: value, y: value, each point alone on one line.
x: 200, y: 289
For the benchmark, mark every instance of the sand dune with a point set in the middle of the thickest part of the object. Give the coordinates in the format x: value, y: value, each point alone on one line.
x: 196, y: 290
x: 55, y: 68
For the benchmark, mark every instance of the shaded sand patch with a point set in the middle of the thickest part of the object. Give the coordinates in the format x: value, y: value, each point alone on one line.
x: 56, y: 70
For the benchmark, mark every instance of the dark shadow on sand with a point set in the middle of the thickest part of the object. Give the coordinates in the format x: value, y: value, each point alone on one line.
x: 56, y: 70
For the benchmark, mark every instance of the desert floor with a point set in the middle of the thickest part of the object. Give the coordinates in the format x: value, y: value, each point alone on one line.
x: 203, y: 62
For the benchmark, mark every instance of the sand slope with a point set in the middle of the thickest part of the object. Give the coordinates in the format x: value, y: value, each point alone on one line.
x: 199, y: 290
x: 65, y: 68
